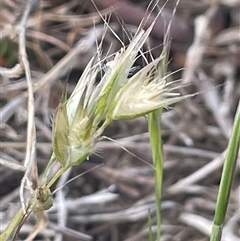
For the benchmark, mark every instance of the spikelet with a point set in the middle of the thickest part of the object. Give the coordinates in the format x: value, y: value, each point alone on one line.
x: 79, y: 120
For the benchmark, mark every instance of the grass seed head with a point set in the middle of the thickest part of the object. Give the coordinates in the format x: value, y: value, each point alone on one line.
x: 143, y: 93
x: 78, y: 123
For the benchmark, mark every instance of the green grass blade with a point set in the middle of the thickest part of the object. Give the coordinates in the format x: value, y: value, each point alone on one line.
x: 226, y: 179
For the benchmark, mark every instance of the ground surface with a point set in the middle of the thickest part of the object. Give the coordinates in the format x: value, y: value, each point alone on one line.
x: 113, y: 200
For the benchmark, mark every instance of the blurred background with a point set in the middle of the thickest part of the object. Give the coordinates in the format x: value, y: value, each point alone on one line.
x: 112, y: 202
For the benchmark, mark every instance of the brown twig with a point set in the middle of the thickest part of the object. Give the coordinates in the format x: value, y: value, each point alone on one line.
x: 30, y: 157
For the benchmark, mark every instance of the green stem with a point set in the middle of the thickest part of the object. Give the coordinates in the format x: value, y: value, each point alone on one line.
x: 63, y: 169
x: 57, y: 175
x: 17, y: 219
x: 12, y: 226
x: 48, y: 168
x: 102, y: 128
x: 150, y: 233
x: 156, y: 141
x: 226, y: 179
x: 157, y: 154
